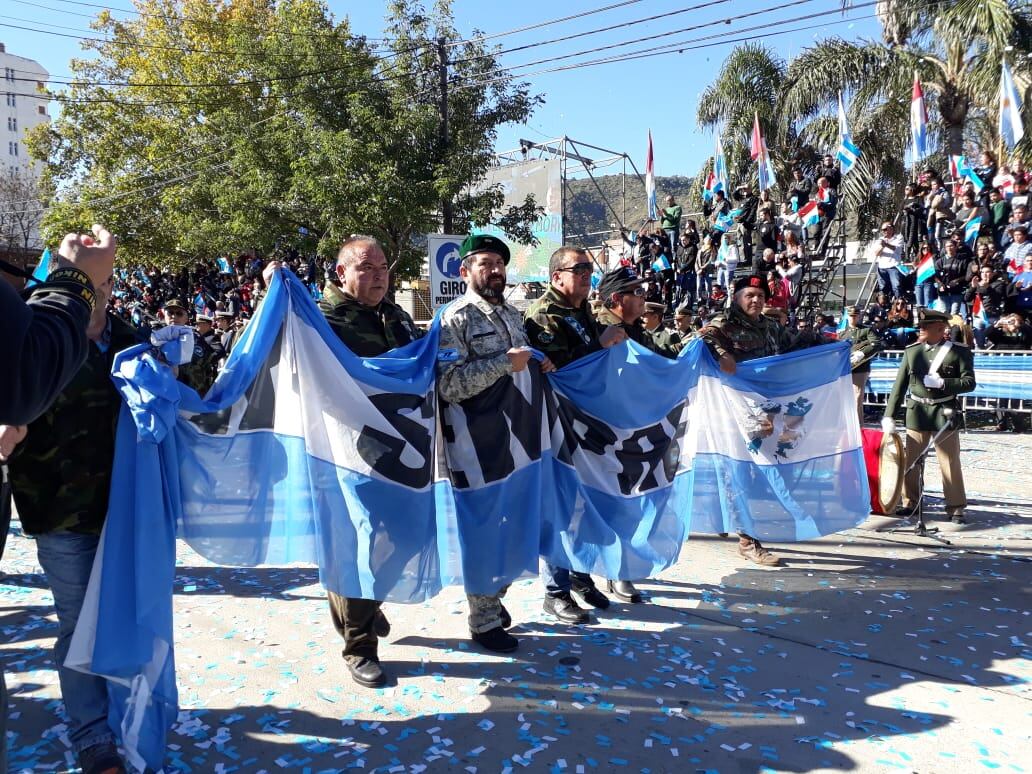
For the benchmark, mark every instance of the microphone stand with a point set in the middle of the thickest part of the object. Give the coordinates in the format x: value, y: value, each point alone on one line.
x: 918, y: 528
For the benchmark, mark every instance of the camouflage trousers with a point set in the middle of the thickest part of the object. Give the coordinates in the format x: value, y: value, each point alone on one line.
x: 485, y: 611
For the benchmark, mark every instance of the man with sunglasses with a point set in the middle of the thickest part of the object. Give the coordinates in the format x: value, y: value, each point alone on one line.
x: 560, y: 324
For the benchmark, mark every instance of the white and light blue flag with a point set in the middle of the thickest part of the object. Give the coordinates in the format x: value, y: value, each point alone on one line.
x: 304, y: 452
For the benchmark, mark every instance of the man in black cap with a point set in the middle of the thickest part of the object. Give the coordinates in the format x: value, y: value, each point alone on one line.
x: 482, y: 341
x: 933, y: 372
x: 561, y: 325
x: 227, y: 333
x: 623, y: 303
x: 741, y: 333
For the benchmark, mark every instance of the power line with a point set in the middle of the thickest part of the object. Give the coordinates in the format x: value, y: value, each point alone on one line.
x: 481, y: 38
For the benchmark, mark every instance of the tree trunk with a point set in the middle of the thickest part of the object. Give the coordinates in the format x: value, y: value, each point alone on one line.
x: 953, y: 107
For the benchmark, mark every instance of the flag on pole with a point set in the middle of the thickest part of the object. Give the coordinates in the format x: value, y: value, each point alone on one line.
x: 709, y: 187
x: 224, y: 267
x: 848, y: 153
x: 918, y: 121
x: 843, y: 324
x: 1011, y: 127
x: 971, y: 230
x: 42, y: 270
x: 978, y: 314
x: 650, y: 182
x: 925, y: 268
x: 720, y: 169
x: 758, y: 151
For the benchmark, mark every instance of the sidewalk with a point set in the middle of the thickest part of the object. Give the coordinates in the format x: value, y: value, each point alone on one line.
x: 867, y: 652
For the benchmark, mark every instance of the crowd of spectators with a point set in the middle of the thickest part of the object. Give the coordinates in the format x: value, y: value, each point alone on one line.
x: 962, y: 247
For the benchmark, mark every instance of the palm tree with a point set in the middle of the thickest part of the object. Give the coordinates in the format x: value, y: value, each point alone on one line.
x: 954, y: 46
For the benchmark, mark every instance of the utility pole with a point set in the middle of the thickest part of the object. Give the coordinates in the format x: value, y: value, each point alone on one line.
x: 442, y: 70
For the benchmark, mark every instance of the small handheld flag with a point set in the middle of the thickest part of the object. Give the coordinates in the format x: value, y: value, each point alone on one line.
x: 650, y: 182
x: 962, y: 171
x: 978, y: 314
x: 224, y: 267
x: 848, y: 153
x: 809, y: 214
x: 661, y: 263
x: 42, y: 270
x: 1011, y: 126
x: 972, y: 229
x: 918, y: 120
x: 925, y: 269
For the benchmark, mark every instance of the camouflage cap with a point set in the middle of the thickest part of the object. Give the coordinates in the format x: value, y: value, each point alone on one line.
x: 484, y: 243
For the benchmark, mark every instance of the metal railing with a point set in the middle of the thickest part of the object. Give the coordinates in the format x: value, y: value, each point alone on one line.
x: 989, y: 380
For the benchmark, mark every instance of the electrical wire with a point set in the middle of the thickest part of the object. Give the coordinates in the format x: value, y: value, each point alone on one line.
x: 538, y: 25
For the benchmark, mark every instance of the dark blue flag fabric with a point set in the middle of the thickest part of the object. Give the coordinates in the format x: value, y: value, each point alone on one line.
x: 303, y: 452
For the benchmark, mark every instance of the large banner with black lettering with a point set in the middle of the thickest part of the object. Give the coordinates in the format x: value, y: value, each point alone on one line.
x: 303, y: 452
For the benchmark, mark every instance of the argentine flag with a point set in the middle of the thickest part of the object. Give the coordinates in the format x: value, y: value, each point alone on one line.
x: 720, y: 168
x: 1011, y: 127
x: 972, y: 229
x: 303, y: 452
x: 661, y: 263
x: 848, y: 153
x: 963, y: 171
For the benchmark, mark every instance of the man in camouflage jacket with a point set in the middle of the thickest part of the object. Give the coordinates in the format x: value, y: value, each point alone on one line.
x: 741, y: 333
x: 60, y: 476
x: 369, y: 325
x: 482, y: 341
x: 561, y: 325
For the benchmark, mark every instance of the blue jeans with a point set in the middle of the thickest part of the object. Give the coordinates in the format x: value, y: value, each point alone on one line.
x: 888, y: 281
x: 979, y: 328
x: 955, y: 303
x: 674, y: 235
x: 704, y: 286
x: 925, y: 293
x: 66, y: 559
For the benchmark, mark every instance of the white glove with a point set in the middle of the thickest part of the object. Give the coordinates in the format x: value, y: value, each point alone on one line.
x: 888, y: 425
x: 935, y: 382
x: 855, y: 358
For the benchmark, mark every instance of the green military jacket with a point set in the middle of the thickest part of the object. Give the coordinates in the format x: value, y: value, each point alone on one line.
x: 368, y: 331
x: 61, y: 473
x: 734, y: 333
x: 958, y: 373
x: 666, y: 341
x: 866, y: 342
x: 562, y: 332
x: 636, y: 332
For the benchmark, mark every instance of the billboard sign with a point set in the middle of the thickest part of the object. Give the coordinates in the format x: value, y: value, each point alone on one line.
x: 443, y: 254
x: 543, y: 179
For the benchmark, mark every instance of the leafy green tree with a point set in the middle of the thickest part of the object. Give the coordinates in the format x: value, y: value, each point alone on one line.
x: 201, y: 128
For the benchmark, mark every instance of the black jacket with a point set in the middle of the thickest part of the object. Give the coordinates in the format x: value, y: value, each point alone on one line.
x: 42, y: 347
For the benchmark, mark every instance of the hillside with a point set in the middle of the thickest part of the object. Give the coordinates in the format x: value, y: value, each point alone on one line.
x: 586, y: 210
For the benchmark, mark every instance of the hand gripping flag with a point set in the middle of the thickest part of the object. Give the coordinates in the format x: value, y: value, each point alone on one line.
x: 304, y: 452
x: 848, y: 153
x: 650, y: 182
x: 918, y: 121
x: 1012, y: 128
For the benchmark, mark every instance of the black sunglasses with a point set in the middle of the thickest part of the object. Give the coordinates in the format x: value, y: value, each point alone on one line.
x: 580, y: 269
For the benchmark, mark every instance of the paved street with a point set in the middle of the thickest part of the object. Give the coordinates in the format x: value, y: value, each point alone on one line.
x: 868, y: 652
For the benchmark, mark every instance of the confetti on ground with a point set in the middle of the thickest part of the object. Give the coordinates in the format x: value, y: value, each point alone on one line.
x: 866, y: 652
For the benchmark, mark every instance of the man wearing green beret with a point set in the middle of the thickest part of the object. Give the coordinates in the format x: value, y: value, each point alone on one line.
x: 932, y: 374
x: 482, y: 341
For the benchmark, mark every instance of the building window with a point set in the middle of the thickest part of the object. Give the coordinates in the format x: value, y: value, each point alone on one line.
x: 8, y: 74
x: 10, y: 100
x: 12, y: 148
x: 12, y: 124
x: 41, y: 109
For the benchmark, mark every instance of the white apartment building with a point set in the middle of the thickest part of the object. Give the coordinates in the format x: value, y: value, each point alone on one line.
x: 21, y: 107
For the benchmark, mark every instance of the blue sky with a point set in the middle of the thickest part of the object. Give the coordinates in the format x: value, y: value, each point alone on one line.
x: 610, y: 105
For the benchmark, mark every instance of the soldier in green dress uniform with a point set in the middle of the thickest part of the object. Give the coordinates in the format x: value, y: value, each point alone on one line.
x: 932, y: 374
x: 665, y: 340
x: 866, y: 345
